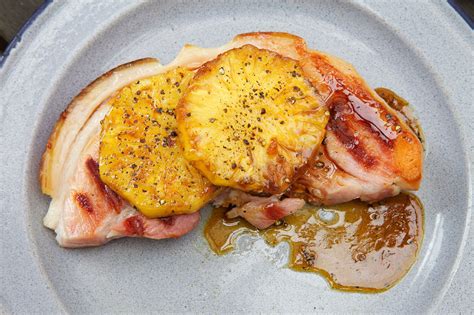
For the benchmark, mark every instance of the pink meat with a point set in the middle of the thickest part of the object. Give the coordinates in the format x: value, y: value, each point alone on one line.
x: 261, y: 212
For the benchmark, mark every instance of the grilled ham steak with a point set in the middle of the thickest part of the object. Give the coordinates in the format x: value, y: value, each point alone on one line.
x: 368, y: 153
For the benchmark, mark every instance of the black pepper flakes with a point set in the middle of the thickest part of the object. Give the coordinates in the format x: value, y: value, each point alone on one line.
x: 295, y: 74
x: 319, y: 164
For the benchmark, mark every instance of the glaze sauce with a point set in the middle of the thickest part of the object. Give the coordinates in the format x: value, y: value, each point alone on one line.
x: 402, y: 107
x: 355, y: 246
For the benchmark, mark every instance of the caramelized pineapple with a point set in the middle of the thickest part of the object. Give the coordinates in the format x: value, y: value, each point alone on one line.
x: 140, y: 156
x: 249, y: 120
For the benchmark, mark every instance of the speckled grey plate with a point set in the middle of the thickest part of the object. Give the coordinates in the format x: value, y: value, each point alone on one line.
x: 421, y: 49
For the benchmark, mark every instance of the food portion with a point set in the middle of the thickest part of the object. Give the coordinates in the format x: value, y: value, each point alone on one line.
x: 59, y: 155
x: 94, y: 214
x: 83, y: 210
x: 356, y: 246
x: 327, y: 182
x: 140, y: 156
x: 250, y: 120
x: 369, y: 151
x: 264, y: 129
x: 261, y: 212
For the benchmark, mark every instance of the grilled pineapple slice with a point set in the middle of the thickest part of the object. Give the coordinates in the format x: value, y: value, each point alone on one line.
x: 249, y: 120
x: 140, y: 157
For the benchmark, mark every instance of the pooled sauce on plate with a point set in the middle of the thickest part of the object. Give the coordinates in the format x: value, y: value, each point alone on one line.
x: 355, y: 246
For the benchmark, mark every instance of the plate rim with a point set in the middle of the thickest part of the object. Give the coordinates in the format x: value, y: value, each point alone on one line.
x: 463, y: 129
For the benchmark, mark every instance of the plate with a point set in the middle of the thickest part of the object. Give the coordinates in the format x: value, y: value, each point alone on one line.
x: 421, y: 50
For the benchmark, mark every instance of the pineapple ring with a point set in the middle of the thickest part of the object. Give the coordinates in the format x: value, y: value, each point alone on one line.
x: 249, y: 120
x: 140, y: 157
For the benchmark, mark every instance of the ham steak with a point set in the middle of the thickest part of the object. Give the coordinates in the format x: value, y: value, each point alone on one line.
x: 369, y: 153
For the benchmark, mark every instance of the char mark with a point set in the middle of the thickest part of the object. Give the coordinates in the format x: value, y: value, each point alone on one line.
x: 274, y: 212
x: 168, y: 221
x: 134, y: 226
x: 84, y: 202
x: 339, y: 123
x: 113, y: 200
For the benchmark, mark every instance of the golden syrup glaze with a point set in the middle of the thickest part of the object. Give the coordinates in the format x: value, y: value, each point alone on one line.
x: 404, y: 109
x: 362, y: 128
x: 355, y: 246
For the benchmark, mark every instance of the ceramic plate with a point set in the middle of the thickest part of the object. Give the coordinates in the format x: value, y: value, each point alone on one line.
x: 422, y: 50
